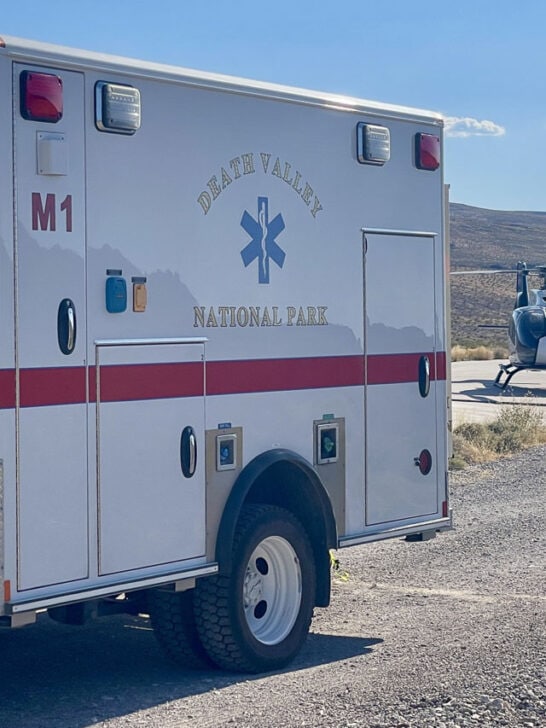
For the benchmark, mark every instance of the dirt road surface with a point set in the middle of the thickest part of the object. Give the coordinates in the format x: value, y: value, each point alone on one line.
x: 448, y: 633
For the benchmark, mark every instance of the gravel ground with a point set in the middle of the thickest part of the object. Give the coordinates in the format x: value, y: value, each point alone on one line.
x: 446, y: 633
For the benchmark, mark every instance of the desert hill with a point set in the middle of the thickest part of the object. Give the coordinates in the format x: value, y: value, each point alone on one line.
x: 490, y: 239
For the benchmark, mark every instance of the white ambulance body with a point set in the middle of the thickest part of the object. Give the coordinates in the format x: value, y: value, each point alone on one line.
x: 223, y: 308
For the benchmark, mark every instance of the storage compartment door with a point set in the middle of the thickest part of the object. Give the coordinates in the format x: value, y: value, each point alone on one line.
x: 150, y: 424
x: 400, y: 343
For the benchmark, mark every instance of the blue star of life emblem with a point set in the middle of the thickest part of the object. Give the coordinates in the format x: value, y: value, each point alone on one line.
x: 263, y: 233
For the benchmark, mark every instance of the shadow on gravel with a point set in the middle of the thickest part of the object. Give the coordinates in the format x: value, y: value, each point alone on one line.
x: 71, y: 677
x: 484, y: 390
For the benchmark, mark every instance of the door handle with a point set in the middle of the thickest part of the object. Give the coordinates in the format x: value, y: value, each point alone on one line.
x: 66, y: 326
x: 188, y: 452
x: 424, y: 376
x: 71, y: 337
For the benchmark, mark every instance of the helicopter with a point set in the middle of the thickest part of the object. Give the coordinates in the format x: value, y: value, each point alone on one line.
x: 527, y: 326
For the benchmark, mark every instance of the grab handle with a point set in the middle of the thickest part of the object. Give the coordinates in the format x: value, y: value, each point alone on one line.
x: 188, y: 452
x: 424, y: 376
x: 66, y: 326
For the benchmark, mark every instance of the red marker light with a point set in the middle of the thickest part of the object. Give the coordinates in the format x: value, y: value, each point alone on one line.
x: 424, y: 462
x: 427, y: 151
x: 41, y: 96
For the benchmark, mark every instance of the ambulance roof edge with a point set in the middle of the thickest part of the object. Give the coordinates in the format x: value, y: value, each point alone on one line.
x: 54, y: 54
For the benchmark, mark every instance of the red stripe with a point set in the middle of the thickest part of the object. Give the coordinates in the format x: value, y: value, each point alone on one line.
x: 440, y: 370
x: 272, y: 375
x: 121, y: 383
x: 402, y: 368
x: 7, y: 388
x: 124, y: 383
x: 56, y: 385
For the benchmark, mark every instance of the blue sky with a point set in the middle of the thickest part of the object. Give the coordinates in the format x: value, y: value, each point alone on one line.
x: 481, y: 63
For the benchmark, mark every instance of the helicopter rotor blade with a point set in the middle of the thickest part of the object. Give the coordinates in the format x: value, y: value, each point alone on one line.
x: 492, y: 326
x: 485, y: 272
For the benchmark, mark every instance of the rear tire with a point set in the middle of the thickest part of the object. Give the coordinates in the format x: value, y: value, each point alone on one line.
x: 257, y: 618
x: 172, y: 617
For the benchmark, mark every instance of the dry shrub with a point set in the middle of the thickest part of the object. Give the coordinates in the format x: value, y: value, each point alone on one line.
x: 500, y: 352
x: 515, y: 428
x: 470, y: 452
x: 458, y: 353
x: 474, y: 353
x: 478, y: 353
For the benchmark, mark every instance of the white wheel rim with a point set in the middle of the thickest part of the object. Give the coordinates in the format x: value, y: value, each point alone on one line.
x: 272, y: 590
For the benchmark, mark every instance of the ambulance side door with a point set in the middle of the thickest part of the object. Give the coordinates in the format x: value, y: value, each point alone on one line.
x: 52, y: 495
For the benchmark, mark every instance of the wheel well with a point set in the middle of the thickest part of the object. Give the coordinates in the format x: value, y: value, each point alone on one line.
x: 284, y: 479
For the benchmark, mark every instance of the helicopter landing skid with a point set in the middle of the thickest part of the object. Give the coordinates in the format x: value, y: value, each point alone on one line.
x: 509, y: 370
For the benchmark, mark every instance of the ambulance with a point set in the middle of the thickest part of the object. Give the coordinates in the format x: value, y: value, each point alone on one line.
x: 224, y: 346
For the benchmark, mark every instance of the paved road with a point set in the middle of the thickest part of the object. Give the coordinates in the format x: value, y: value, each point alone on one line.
x: 476, y: 398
